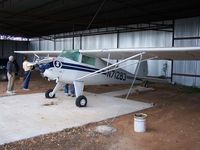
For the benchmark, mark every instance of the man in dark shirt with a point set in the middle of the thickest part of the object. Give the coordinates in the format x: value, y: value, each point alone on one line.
x: 11, y: 69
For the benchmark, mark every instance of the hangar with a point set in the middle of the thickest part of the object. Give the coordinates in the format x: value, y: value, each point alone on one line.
x: 56, y: 25
x: 90, y: 24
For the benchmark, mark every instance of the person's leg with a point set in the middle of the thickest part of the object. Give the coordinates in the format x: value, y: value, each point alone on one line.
x: 9, y: 82
x: 72, y: 90
x: 12, y: 82
x: 26, y: 79
x: 69, y: 91
x: 24, y: 83
x: 66, y: 89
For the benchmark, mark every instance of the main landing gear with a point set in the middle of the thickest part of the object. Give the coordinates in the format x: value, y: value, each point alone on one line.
x: 81, y: 101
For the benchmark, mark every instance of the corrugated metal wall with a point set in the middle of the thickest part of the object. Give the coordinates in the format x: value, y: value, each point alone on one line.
x: 41, y: 44
x: 99, y: 41
x: 184, y: 72
x: 148, y: 39
x: 187, y: 72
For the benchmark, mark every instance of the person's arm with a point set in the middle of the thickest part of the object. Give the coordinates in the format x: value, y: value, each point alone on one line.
x: 30, y: 66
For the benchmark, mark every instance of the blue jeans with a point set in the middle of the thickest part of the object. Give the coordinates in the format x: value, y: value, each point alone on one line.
x: 69, y: 88
x: 27, y: 76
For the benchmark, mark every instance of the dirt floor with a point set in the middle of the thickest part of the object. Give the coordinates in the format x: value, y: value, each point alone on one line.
x: 173, y: 123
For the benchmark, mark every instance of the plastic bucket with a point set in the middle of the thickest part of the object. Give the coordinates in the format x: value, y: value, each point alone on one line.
x: 140, y: 122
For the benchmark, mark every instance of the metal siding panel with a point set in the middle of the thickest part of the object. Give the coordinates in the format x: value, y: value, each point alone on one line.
x: 99, y: 41
x: 178, y: 79
x: 145, y: 39
x: 67, y: 43
x: 197, y: 82
x: 190, y: 67
x: 63, y: 44
x: 189, y: 81
x: 185, y: 43
x: 46, y: 45
x: 153, y: 68
x: 58, y: 45
x: 187, y: 27
x: 198, y: 68
x: 178, y: 66
x: 148, y: 39
x: 34, y: 45
x: 77, y: 43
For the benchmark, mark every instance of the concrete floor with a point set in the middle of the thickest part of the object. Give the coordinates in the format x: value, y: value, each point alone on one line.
x: 25, y: 116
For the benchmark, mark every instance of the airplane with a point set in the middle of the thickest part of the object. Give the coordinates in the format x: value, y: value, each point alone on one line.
x: 93, y: 67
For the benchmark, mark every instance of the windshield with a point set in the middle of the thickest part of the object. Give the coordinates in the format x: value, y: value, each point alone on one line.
x: 70, y: 54
x: 76, y: 56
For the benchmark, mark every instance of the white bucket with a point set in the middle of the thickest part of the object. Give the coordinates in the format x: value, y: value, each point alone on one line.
x: 140, y: 122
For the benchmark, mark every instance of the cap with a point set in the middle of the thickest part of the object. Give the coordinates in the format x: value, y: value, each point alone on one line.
x: 11, y: 58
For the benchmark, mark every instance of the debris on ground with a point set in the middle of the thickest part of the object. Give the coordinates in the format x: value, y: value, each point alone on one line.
x: 105, y: 130
x: 49, y: 104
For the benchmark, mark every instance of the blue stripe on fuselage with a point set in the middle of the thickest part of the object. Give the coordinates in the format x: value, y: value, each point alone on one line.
x: 76, y: 67
x: 81, y: 66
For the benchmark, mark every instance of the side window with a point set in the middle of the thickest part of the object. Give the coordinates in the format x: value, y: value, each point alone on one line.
x: 88, y: 60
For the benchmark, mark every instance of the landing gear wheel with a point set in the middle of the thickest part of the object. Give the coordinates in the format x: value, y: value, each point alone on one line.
x: 48, y: 94
x: 81, y: 101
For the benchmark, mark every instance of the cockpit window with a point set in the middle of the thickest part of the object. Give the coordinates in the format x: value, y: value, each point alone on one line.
x: 71, y: 54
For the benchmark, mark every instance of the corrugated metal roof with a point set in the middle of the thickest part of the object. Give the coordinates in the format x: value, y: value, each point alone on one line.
x: 32, y: 18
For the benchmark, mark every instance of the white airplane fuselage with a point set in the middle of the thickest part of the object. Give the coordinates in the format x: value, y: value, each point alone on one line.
x: 66, y: 71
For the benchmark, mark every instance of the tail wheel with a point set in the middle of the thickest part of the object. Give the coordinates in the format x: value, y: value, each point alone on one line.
x: 48, y: 94
x: 81, y: 101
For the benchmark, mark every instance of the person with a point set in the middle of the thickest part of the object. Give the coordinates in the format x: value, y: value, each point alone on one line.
x: 11, y: 69
x: 27, y: 73
x: 69, y: 90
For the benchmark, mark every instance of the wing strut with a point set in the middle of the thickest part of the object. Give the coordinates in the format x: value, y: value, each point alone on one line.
x: 108, y: 59
x: 136, y: 72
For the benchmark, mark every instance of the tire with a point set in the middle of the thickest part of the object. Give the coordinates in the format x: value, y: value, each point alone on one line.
x: 81, y: 101
x: 47, y: 94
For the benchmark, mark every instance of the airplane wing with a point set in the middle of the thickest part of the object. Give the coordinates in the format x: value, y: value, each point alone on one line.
x: 172, y: 53
x: 41, y: 53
